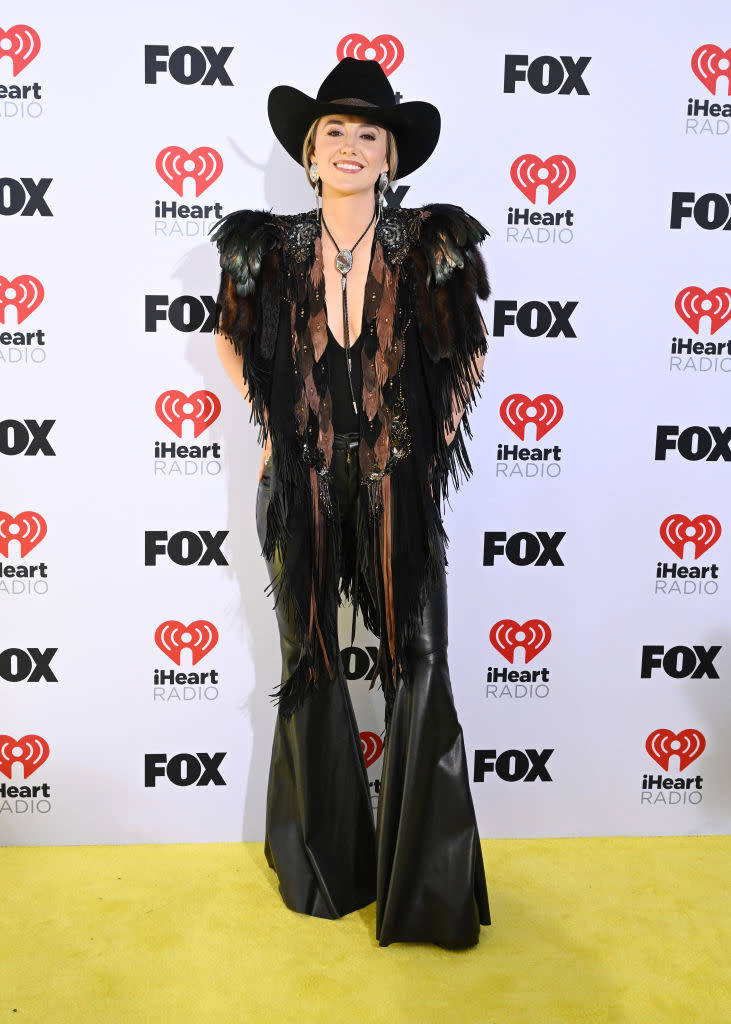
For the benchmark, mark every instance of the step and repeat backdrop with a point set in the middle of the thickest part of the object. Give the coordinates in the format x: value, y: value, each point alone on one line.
x: 590, y: 555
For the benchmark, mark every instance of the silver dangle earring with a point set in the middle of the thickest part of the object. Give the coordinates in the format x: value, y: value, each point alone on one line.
x: 382, y: 186
x: 315, y: 179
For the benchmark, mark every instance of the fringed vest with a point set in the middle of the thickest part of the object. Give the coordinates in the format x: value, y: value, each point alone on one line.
x: 423, y: 334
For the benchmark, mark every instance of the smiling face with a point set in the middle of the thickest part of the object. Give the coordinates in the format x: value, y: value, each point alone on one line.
x: 350, y: 154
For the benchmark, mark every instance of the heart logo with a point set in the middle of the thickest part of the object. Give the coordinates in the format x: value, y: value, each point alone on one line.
x: 556, y: 172
x: 24, y: 292
x: 533, y: 636
x: 676, y: 530
x: 688, y: 745
x: 25, y: 45
x: 202, y: 407
x: 31, y: 751
x: 372, y: 745
x: 517, y: 411
x: 199, y: 637
x: 28, y: 528
x: 692, y: 303
x: 174, y: 165
x: 386, y: 49
x: 709, y: 62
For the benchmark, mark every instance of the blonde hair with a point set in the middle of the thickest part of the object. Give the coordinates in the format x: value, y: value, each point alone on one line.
x: 309, y: 144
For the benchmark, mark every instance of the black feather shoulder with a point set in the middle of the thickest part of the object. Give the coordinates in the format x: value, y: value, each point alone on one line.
x: 449, y: 277
x: 448, y: 241
x: 243, y: 239
x: 249, y: 296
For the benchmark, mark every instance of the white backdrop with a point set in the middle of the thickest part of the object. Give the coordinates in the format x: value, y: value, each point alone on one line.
x: 80, y: 115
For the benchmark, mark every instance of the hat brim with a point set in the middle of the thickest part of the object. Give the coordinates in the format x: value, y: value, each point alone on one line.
x: 416, y: 125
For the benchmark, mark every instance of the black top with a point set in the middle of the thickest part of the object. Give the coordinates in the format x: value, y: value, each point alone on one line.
x: 345, y: 420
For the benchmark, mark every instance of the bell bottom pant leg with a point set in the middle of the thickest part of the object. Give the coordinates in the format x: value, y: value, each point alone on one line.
x: 320, y: 834
x: 430, y: 875
x: 423, y: 861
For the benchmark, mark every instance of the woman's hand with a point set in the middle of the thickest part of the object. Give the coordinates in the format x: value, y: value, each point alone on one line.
x: 266, y: 452
x: 233, y: 364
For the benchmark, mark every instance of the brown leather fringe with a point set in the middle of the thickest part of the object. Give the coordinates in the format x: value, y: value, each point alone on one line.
x: 317, y: 324
x: 311, y: 348
x: 380, y: 309
x: 385, y: 552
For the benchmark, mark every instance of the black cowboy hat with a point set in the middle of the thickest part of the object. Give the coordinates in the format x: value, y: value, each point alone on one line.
x: 357, y: 87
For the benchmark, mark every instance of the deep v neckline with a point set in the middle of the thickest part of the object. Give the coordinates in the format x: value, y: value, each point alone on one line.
x: 365, y: 286
x: 335, y: 341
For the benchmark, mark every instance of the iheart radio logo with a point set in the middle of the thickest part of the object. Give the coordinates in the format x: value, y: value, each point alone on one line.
x: 688, y: 745
x: 386, y: 49
x: 202, y: 408
x: 22, y: 44
x: 556, y: 172
x: 677, y: 530
x: 200, y: 637
x: 372, y: 745
x: 31, y: 751
x: 533, y: 636
x: 517, y: 411
x: 692, y: 303
x: 28, y: 528
x: 24, y: 292
x: 203, y: 165
x: 709, y: 62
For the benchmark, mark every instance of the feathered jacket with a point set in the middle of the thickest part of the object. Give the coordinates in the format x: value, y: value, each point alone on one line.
x: 422, y: 334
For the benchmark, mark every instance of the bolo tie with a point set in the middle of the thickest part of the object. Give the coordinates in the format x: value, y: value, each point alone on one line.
x: 344, y: 263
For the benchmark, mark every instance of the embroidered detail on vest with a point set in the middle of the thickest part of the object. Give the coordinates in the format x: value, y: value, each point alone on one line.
x: 299, y: 231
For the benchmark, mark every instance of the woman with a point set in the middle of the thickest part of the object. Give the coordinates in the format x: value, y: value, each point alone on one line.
x: 360, y: 358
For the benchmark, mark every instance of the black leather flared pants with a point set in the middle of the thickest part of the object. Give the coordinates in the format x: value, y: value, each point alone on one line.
x: 422, y: 861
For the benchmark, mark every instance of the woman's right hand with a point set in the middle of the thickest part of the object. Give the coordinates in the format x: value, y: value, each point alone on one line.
x: 265, y: 455
x: 233, y: 364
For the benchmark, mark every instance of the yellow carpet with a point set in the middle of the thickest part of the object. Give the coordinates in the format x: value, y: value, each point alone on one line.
x: 585, y: 930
